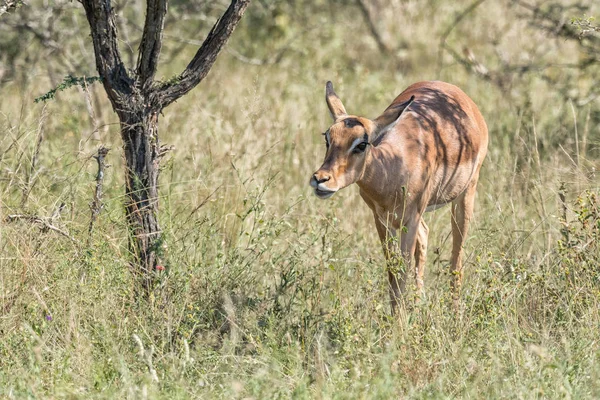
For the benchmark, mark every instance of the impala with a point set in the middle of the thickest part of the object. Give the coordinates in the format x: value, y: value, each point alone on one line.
x: 423, y: 152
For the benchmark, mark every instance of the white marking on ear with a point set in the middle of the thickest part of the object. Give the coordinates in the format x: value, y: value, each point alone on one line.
x: 386, y: 123
x: 387, y: 128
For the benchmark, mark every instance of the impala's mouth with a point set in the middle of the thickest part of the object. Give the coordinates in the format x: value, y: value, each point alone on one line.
x: 324, y: 194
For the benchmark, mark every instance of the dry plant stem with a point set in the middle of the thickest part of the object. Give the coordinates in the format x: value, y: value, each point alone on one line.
x: 577, y: 152
x: 90, y: 109
x: 544, y: 213
x: 562, y: 195
x: 44, y: 222
x: 146, y: 356
x: 31, y: 174
x: 586, y: 130
x: 138, y: 100
x: 576, y: 134
x: 96, y: 205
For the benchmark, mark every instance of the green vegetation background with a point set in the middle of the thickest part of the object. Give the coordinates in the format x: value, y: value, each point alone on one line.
x: 267, y: 291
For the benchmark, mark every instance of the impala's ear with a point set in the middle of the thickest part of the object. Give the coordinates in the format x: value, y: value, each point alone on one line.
x: 390, y: 117
x: 336, y: 108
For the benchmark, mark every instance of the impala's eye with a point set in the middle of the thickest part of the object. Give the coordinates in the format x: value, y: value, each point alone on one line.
x: 360, y: 148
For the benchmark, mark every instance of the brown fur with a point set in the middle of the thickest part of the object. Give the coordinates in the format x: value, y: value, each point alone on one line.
x: 421, y: 154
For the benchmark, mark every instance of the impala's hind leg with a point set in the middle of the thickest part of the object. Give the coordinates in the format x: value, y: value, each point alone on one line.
x: 421, y: 257
x: 462, y: 212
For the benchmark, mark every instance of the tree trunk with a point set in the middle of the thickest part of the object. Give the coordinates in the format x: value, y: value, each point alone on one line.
x: 139, y: 131
x: 138, y: 99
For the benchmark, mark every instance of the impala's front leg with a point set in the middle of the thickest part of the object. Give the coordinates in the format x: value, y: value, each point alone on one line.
x: 420, y: 258
x: 398, y: 254
x: 408, y: 244
x: 389, y: 243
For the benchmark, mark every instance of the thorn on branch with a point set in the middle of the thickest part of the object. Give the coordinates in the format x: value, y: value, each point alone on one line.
x: 68, y: 82
x: 163, y: 150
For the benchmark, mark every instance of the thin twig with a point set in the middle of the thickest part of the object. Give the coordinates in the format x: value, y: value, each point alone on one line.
x: 44, y: 222
x: 8, y: 5
x: 576, y: 133
x: 90, y: 109
x: 97, y: 205
x: 443, y: 45
x: 383, y: 47
x: 31, y: 174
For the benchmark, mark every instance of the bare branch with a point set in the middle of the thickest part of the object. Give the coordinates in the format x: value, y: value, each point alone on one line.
x: 151, y: 43
x: 554, y: 22
x: 44, y: 222
x: 470, y: 63
x: 444, y: 37
x: 585, y: 26
x: 550, y: 19
x: 97, y: 205
x: 372, y: 27
x: 101, y: 18
x: 8, y: 5
x: 206, y: 56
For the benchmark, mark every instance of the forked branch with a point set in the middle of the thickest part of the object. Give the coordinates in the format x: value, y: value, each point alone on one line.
x: 138, y: 101
x: 101, y: 18
x: 206, y: 56
x: 151, y: 43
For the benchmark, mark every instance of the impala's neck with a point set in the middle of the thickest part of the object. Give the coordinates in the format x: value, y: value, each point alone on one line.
x: 373, y: 178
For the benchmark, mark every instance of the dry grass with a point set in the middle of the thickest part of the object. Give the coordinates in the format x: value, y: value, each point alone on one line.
x: 271, y: 293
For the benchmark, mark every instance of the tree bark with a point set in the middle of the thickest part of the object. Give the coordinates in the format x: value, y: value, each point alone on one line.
x: 142, y: 151
x: 138, y: 100
x: 151, y: 42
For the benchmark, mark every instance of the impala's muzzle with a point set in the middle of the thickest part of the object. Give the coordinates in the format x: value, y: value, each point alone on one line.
x: 319, y: 183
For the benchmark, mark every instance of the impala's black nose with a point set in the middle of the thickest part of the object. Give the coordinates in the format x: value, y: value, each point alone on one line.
x: 324, y: 178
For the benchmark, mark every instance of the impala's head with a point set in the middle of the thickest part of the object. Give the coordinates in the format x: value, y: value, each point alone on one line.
x: 348, y: 142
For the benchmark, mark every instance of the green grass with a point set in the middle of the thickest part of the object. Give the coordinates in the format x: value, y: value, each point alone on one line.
x: 270, y: 292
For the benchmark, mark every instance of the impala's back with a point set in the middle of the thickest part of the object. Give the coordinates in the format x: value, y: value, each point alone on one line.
x: 441, y: 139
